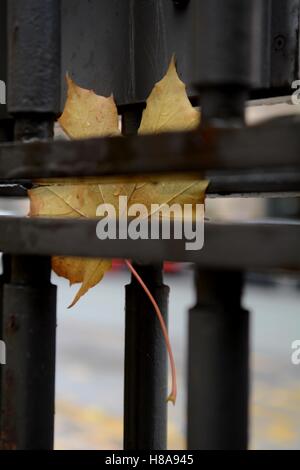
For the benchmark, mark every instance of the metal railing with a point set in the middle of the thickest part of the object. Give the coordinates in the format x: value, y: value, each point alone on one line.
x: 235, y: 159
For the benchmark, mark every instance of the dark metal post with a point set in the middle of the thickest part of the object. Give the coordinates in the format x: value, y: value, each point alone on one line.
x: 4, y: 278
x: 145, y: 408
x: 145, y: 389
x: 6, y: 121
x: 27, y: 418
x: 29, y: 300
x: 218, y: 326
x: 218, y: 363
x: 34, y: 57
x: 34, y: 51
x: 223, y: 71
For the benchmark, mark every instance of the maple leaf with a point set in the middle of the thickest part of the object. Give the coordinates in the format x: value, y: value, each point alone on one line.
x: 75, y: 201
x: 88, y: 115
x: 168, y: 107
x: 85, y: 115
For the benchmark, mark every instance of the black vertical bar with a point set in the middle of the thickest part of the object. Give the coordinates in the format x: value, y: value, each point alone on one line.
x: 34, y: 57
x: 29, y: 303
x: 29, y: 300
x: 4, y: 278
x: 218, y: 364
x: 218, y: 326
x: 145, y: 388
x: 223, y: 71
x: 145, y: 410
x: 6, y: 134
x: 131, y: 120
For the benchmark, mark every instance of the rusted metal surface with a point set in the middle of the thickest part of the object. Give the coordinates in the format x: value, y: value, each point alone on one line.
x: 29, y: 299
x: 261, y: 245
x: 29, y: 323
x: 250, y: 153
x: 33, y: 62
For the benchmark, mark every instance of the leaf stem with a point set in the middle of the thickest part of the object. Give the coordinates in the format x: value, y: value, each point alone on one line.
x: 173, y: 394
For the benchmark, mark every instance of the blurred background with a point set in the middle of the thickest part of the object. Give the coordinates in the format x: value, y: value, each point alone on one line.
x: 90, y: 340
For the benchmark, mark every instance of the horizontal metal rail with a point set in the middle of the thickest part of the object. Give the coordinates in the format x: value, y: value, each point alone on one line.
x: 236, y: 161
x: 250, y: 184
x: 260, y: 245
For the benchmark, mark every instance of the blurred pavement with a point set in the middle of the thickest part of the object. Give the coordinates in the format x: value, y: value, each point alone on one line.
x: 89, y: 383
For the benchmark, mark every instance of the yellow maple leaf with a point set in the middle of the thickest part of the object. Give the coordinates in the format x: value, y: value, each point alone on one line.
x: 168, y: 107
x: 87, y: 115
